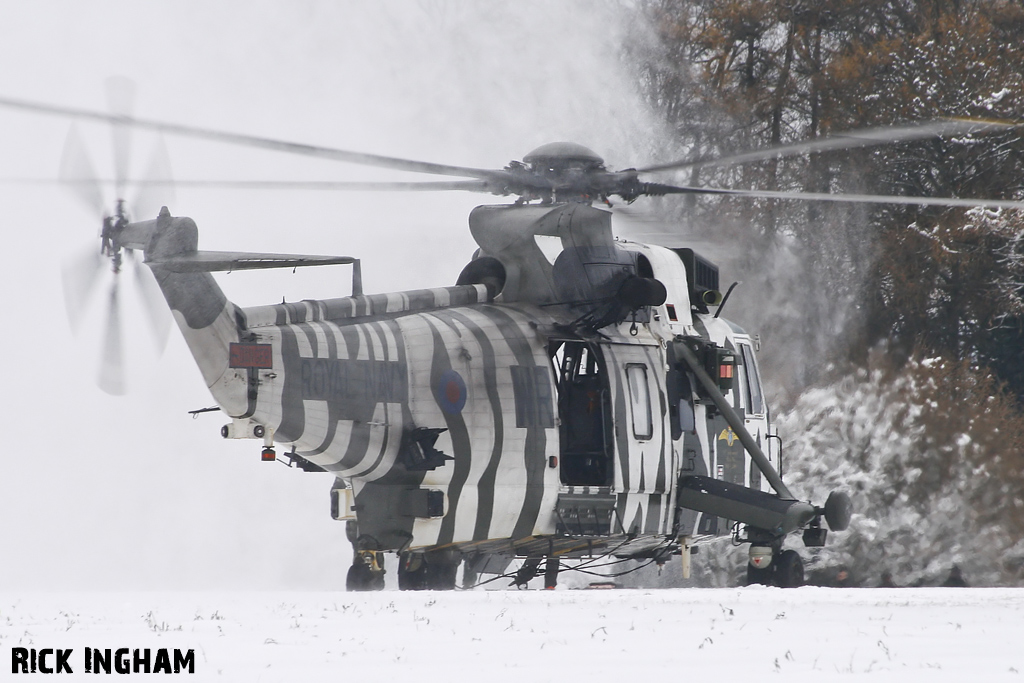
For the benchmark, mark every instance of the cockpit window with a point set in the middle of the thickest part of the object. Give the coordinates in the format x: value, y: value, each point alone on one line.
x: 755, y: 399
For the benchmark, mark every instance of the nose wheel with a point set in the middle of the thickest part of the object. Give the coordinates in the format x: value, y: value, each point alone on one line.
x: 786, y: 569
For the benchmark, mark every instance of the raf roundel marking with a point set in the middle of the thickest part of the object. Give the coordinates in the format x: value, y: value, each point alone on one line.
x: 451, y: 392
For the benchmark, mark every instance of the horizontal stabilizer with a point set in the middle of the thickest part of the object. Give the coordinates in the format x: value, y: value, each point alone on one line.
x: 742, y: 504
x: 211, y: 261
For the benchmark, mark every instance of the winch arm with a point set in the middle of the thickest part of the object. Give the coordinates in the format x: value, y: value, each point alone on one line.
x: 686, y: 354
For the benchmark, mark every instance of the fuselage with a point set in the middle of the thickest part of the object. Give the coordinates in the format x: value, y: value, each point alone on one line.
x: 451, y: 418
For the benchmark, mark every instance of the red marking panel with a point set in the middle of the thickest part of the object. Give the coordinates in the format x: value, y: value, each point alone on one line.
x: 252, y: 356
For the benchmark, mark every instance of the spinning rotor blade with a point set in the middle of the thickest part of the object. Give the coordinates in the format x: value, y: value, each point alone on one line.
x: 111, y: 377
x: 342, y: 186
x: 258, y: 142
x: 851, y: 198
x: 149, y: 198
x: 157, y: 314
x: 79, y: 277
x: 867, y: 137
x: 77, y: 172
x: 121, y: 103
x: 157, y: 188
x: 553, y: 182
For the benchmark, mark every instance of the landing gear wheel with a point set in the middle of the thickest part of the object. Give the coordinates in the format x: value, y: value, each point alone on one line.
x: 789, y: 569
x: 441, y: 575
x: 412, y: 573
x: 366, y: 572
x: 361, y: 578
x: 417, y: 572
x: 759, y: 577
x: 761, y: 565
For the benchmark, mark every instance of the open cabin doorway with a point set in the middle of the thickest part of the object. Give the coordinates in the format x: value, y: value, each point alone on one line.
x: 584, y: 411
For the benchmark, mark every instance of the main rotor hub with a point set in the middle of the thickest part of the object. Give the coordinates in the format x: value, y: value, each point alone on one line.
x: 558, y: 171
x: 563, y: 154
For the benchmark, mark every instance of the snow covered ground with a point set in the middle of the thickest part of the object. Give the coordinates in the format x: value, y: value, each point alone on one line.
x: 932, y: 634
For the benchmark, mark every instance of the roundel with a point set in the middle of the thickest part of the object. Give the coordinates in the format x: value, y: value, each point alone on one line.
x: 451, y: 392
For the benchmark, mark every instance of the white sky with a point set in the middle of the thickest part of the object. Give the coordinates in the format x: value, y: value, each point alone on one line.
x: 102, y: 492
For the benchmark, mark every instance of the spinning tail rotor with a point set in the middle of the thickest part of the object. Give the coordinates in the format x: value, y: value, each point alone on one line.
x: 81, y: 273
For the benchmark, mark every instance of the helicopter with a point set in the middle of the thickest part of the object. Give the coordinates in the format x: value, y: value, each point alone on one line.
x: 581, y: 400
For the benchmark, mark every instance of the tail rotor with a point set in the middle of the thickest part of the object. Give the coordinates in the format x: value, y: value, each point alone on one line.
x: 111, y: 376
x: 82, y: 272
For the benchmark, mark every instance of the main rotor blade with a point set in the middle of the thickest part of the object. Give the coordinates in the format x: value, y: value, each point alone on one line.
x: 77, y: 172
x: 340, y: 186
x: 111, y: 377
x: 257, y: 141
x: 329, y: 185
x: 851, y: 198
x: 121, y: 103
x: 867, y: 137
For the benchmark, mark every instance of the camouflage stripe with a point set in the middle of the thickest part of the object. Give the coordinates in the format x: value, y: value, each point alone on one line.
x: 398, y: 474
x: 387, y: 428
x: 459, y: 435
x: 378, y: 303
x: 363, y: 305
x: 196, y: 296
x: 331, y: 333
x: 293, y: 412
x: 294, y: 312
x: 311, y: 338
x: 536, y: 438
x: 251, y: 393
x: 661, y: 484
x: 653, y: 522
x: 351, y: 307
x: 350, y: 333
x: 421, y: 299
x: 661, y: 419
x: 359, y: 438
x: 621, y: 436
x: 485, y: 487
x: 636, y: 524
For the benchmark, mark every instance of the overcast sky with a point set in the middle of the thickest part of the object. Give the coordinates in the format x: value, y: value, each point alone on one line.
x: 131, y: 492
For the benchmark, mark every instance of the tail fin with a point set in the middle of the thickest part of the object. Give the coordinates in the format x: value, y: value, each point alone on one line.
x: 209, y: 322
x: 204, y: 315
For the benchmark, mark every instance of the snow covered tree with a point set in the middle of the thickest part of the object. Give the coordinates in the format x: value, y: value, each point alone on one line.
x: 738, y: 74
x: 931, y: 454
x: 928, y: 303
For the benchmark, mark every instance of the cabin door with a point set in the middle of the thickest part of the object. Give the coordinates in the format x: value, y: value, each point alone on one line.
x: 584, y: 411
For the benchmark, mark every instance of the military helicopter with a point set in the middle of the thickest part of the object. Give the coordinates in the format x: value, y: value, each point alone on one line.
x: 547, y: 406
